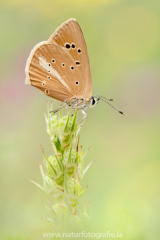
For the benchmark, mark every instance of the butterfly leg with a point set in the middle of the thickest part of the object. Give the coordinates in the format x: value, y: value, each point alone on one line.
x: 57, y: 109
x: 73, y: 113
x: 84, y: 112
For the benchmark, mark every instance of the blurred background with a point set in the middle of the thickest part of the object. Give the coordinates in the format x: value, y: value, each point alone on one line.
x: 123, y: 39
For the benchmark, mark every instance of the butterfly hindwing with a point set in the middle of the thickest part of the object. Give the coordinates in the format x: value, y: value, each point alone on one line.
x: 51, y: 69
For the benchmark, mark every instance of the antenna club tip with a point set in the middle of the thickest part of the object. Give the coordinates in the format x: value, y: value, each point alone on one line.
x: 121, y: 113
x: 111, y: 99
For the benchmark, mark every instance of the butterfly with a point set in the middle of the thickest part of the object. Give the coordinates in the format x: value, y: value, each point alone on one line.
x: 60, y: 68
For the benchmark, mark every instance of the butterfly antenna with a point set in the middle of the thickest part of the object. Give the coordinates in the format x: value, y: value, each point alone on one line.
x: 111, y: 105
x: 108, y: 99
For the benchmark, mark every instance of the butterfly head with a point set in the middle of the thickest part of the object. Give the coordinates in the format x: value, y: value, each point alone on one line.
x: 94, y: 101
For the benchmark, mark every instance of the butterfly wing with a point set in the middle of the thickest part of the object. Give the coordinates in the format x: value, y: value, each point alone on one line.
x: 70, y: 36
x: 51, y: 69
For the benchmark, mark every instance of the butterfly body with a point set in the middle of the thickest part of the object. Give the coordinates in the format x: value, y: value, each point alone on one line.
x: 60, y: 67
x: 79, y: 103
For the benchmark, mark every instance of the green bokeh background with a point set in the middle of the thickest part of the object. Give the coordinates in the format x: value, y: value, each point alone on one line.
x: 123, y: 39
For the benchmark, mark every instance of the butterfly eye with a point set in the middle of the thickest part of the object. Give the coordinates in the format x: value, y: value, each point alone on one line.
x: 49, y: 77
x: 53, y: 60
x: 67, y: 45
x: 46, y: 91
x: 77, y: 83
x: 93, y: 101
x: 79, y: 50
x: 77, y: 62
x: 73, y: 45
x: 63, y: 64
x: 72, y: 68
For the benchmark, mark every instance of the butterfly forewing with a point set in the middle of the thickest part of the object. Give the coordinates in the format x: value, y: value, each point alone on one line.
x: 52, y: 69
x: 69, y: 36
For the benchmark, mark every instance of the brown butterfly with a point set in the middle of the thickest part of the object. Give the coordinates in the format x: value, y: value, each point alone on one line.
x: 60, y: 68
